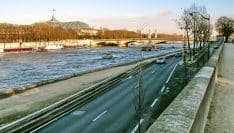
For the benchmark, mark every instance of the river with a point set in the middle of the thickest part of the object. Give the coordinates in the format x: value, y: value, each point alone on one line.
x: 19, y: 69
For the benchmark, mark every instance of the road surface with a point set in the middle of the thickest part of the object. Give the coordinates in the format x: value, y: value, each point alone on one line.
x: 114, y: 111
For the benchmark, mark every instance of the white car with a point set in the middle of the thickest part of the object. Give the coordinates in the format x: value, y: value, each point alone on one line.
x: 161, y: 60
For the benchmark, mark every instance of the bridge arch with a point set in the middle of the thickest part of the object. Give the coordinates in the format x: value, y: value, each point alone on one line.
x: 129, y: 42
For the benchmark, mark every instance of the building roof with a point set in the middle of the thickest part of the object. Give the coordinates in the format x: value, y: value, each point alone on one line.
x: 74, y: 25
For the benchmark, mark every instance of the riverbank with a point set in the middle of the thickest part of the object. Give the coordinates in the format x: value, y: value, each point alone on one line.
x: 34, y: 99
x: 19, y: 105
x: 39, y: 68
x: 221, y: 117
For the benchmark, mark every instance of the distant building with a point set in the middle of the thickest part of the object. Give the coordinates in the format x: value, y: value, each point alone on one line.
x: 81, y: 27
x: 149, y: 34
x: 155, y: 34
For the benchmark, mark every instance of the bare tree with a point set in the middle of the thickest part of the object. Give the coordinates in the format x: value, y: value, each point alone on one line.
x: 185, y: 22
x: 195, y: 20
x: 202, y: 32
x: 225, y: 26
x: 203, y: 25
x: 139, y: 95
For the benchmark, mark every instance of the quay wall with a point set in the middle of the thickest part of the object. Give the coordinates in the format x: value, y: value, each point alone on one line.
x: 83, y: 42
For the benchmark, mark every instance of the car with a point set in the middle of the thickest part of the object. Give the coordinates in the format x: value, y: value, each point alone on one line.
x: 161, y: 60
x: 178, y: 54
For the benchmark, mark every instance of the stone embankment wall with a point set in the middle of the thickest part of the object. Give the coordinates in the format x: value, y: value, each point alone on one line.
x: 83, y: 42
x: 37, y: 44
x: 189, y: 110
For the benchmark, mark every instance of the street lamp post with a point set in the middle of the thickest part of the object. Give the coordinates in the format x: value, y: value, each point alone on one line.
x: 208, y: 38
x: 184, y: 52
x: 184, y: 62
x: 194, y: 30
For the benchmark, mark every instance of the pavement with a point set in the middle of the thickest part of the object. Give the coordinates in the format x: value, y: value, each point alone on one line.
x: 221, y: 114
x: 114, y: 111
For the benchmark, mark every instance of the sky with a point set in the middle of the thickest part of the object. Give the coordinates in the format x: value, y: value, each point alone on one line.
x: 145, y: 15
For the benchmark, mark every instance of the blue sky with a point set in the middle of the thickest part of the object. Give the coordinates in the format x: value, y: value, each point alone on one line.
x: 131, y: 14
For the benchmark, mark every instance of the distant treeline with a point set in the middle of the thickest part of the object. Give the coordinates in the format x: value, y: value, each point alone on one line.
x: 170, y: 36
x: 36, y: 32
x: 45, y: 32
x: 117, y: 34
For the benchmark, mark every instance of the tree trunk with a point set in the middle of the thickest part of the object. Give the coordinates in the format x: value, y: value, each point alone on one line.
x: 226, y: 38
x: 200, y: 45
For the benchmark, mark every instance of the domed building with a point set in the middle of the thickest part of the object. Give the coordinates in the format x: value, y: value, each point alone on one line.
x: 81, y: 27
x: 74, y: 25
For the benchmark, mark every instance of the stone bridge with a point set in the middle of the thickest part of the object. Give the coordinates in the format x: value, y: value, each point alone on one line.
x: 87, y: 42
x: 125, y: 42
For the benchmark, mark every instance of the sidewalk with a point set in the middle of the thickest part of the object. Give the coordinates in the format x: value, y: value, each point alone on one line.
x: 221, y: 115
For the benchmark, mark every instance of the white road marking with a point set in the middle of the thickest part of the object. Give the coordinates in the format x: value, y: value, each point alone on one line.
x: 155, y: 101
x: 136, y: 127
x: 171, y: 73
x: 78, y: 113
x: 99, y: 116
x: 163, y: 89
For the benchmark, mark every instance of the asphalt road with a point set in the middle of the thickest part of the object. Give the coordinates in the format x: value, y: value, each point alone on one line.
x: 114, y: 111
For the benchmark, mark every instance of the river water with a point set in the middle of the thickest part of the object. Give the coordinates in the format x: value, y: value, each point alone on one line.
x: 19, y: 69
